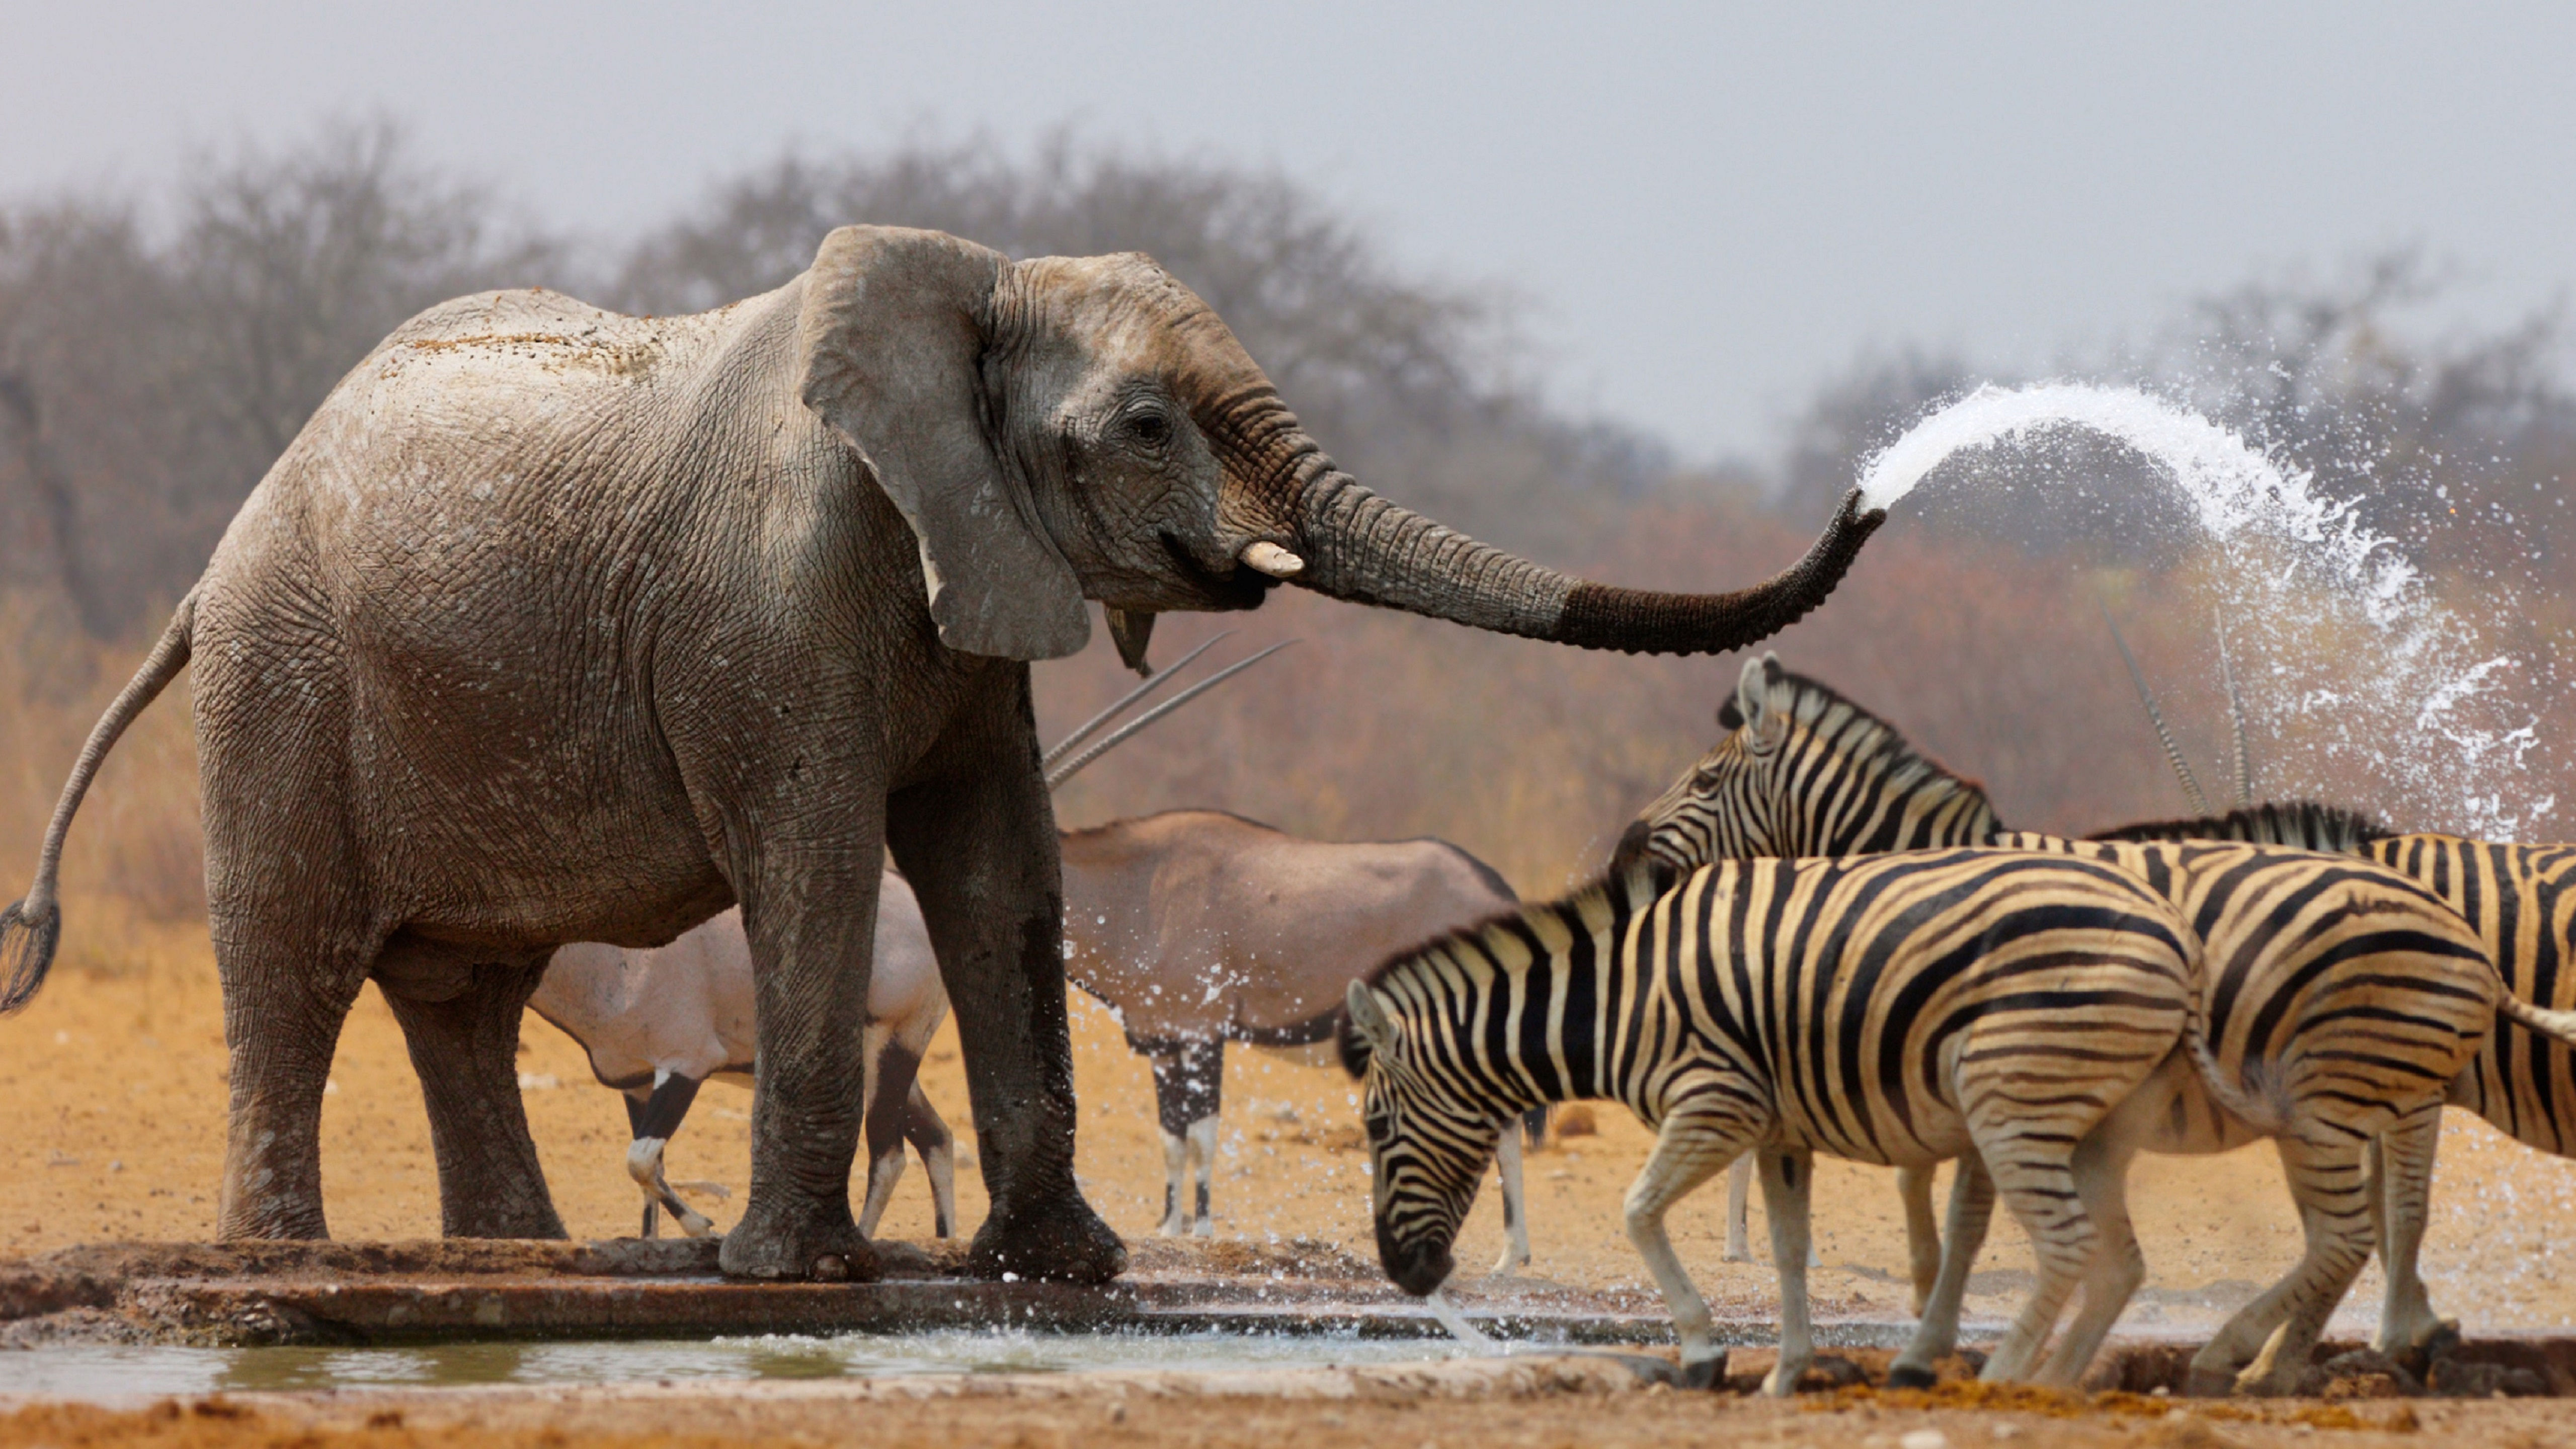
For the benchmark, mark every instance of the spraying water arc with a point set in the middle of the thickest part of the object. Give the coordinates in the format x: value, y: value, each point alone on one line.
x: 2368, y: 683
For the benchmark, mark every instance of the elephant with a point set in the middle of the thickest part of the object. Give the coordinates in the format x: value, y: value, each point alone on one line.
x: 558, y: 625
x: 658, y: 1022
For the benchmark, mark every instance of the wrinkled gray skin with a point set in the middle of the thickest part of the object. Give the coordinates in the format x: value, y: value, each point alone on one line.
x: 556, y: 625
x: 1198, y: 928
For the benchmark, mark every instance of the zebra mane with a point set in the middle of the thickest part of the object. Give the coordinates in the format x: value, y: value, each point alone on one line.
x: 2307, y: 824
x: 1608, y: 900
x: 1869, y: 740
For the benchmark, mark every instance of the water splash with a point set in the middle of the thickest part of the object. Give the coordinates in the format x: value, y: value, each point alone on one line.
x: 1457, y: 1324
x: 2366, y: 681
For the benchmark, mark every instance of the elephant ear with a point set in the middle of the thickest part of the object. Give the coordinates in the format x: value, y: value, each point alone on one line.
x: 892, y: 333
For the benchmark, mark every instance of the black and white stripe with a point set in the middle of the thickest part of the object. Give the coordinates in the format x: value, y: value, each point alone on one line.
x: 1895, y: 1009
x: 2361, y: 995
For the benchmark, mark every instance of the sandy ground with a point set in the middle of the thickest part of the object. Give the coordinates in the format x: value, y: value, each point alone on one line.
x: 116, y: 1087
x: 1052, y: 1417
x: 116, y: 1082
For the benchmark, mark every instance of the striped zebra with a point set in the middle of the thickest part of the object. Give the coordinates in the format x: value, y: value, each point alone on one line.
x: 1889, y: 1009
x: 1806, y: 771
x: 2521, y: 901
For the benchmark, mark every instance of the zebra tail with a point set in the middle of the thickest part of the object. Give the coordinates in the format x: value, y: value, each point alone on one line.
x: 2258, y: 1109
x: 2558, y: 1025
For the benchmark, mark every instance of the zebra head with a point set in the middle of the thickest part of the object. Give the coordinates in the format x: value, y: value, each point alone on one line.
x: 1804, y: 771
x: 1724, y: 807
x: 1428, y: 1143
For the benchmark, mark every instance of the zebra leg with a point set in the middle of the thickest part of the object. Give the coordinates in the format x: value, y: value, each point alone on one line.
x: 929, y: 1135
x: 1689, y: 1150
x: 1507, y: 1168
x: 2036, y: 1179
x: 1922, y: 1232
x: 654, y: 1126
x: 2102, y: 1176
x: 1787, y: 1178
x: 1739, y: 1210
x: 1972, y: 1211
x: 2401, y: 1171
x: 2273, y: 1336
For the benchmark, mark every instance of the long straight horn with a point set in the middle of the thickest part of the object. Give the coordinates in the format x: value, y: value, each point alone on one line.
x: 2173, y: 752
x: 1169, y: 673
x: 2236, y: 718
x: 1058, y: 776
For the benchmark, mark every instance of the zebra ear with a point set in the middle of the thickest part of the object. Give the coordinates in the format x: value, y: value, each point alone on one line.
x: 1370, y: 1018
x: 1752, y: 692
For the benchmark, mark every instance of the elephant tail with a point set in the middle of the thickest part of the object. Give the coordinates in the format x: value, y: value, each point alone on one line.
x: 32, y: 927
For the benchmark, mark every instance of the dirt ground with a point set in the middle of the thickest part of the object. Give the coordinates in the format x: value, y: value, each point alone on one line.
x: 116, y: 1084
x: 116, y: 1080
x: 1058, y: 1419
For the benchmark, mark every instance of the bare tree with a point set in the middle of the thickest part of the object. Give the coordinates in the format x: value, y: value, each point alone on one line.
x: 144, y: 388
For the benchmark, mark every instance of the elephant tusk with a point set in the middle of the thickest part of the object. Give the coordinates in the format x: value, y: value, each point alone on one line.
x: 1271, y: 559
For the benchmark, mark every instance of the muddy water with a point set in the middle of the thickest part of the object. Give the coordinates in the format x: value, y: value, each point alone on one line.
x: 113, y: 1374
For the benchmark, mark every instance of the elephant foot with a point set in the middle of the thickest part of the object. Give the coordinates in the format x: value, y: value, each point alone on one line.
x: 1062, y: 1240
x: 506, y: 1214
x: 1707, y: 1373
x: 1910, y: 1376
x: 778, y: 1243
x: 272, y: 1220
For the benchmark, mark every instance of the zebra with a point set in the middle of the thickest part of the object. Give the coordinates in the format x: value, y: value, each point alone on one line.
x: 1891, y: 1009
x: 1804, y: 770
x: 2521, y: 899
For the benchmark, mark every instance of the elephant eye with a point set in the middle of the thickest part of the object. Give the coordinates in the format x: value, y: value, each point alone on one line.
x: 1149, y: 428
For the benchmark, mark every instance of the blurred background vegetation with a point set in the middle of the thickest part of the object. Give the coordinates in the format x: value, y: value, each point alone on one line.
x: 158, y: 351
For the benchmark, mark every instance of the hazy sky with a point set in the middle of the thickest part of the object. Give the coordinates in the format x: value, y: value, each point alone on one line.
x: 1707, y: 208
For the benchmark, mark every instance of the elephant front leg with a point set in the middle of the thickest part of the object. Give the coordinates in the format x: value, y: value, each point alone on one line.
x: 464, y: 1047
x: 977, y: 841
x: 810, y: 913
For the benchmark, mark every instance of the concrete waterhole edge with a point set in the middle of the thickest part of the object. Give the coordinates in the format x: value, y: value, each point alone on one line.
x: 452, y: 1291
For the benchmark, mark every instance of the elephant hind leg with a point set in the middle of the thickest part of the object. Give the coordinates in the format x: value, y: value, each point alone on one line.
x: 465, y: 1047
x: 283, y: 1010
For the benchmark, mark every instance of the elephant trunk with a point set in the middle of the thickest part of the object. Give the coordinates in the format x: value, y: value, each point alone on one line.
x: 1361, y: 547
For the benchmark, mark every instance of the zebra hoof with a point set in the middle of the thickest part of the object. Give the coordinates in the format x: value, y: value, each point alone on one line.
x: 1907, y: 1376
x: 2208, y: 1383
